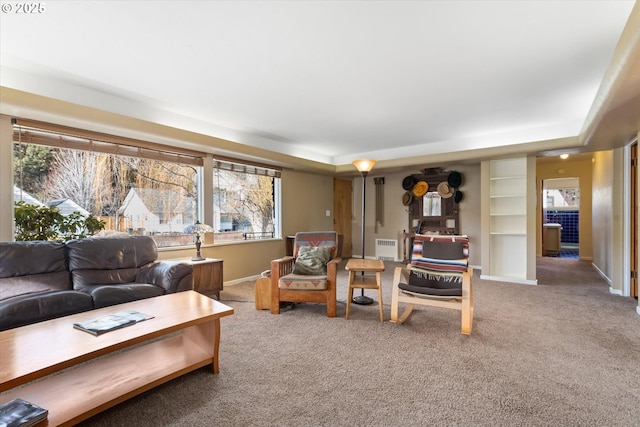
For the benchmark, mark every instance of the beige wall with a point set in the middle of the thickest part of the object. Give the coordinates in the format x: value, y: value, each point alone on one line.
x: 240, y: 260
x: 582, y: 169
x: 608, y: 218
x: 306, y: 198
x: 602, y: 223
x: 396, y: 215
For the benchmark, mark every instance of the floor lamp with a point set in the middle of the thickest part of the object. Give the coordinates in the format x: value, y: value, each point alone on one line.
x: 364, y: 167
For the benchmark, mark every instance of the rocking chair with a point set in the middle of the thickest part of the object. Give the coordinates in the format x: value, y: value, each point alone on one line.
x: 438, y: 276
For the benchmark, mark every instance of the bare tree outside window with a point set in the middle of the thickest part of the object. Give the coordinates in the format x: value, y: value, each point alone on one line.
x: 244, y: 206
x: 132, y: 195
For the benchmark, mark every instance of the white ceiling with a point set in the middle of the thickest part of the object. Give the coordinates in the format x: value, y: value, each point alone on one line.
x: 329, y: 81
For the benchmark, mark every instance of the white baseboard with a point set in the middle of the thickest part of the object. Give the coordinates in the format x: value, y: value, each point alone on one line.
x: 357, y: 256
x: 241, y: 280
x: 615, y: 291
x: 509, y: 279
x: 601, y: 273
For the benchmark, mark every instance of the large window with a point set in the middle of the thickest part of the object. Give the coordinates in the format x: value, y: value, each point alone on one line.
x: 139, y: 194
x: 142, y: 188
x: 244, y: 201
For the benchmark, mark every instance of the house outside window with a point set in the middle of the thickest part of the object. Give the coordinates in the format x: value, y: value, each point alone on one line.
x: 142, y: 188
x: 136, y: 195
x: 245, y: 202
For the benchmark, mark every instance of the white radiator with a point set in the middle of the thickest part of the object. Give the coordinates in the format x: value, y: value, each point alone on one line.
x: 386, y: 249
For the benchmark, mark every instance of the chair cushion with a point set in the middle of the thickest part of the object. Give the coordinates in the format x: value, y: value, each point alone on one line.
x: 440, y: 255
x: 437, y: 264
x: 314, y: 239
x: 433, y: 285
x: 312, y: 260
x: 306, y: 282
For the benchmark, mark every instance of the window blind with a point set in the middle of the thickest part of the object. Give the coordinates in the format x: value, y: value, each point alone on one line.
x: 34, y: 132
x: 234, y: 165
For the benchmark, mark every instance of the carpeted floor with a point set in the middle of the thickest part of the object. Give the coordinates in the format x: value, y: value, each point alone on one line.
x: 563, y: 353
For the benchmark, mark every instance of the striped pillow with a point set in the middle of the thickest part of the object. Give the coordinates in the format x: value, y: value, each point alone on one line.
x: 438, y: 255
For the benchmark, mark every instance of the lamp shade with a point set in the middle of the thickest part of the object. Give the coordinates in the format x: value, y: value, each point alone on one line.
x: 197, y: 228
x: 364, y: 165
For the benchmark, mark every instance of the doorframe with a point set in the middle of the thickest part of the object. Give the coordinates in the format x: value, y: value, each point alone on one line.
x: 627, y: 221
x: 541, y: 203
x: 632, y: 210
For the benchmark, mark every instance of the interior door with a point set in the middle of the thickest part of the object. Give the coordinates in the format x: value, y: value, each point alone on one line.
x: 342, y: 213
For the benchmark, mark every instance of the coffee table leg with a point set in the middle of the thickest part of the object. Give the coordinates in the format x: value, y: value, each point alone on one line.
x: 216, y: 346
x: 207, y: 336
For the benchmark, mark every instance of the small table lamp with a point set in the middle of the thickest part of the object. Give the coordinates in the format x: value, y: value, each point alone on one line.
x: 196, y: 229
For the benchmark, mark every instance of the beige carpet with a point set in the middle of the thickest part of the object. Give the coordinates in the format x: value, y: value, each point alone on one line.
x: 563, y: 353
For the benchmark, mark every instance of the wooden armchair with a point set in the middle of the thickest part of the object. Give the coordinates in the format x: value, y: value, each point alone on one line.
x: 309, y: 275
x: 438, y: 275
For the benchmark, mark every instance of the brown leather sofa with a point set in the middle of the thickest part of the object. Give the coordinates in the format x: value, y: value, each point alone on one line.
x: 42, y: 280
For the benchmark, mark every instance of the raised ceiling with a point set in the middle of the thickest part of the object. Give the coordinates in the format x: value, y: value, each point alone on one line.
x: 333, y: 81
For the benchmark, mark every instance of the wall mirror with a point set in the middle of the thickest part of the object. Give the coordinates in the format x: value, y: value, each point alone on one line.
x: 431, y: 204
x: 433, y: 212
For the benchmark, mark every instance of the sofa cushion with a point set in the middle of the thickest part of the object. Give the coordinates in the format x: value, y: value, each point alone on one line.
x: 104, y: 296
x: 111, y: 253
x: 20, y: 274
x: 37, y: 307
x: 88, y: 278
x: 306, y: 282
x: 36, y: 283
x: 15, y: 258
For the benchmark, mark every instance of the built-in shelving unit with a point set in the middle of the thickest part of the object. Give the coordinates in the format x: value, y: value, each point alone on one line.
x: 508, y: 221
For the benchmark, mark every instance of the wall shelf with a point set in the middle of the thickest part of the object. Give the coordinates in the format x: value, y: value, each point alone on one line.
x: 508, y: 220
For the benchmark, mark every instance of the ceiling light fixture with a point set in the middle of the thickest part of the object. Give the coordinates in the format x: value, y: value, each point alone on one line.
x: 564, y: 156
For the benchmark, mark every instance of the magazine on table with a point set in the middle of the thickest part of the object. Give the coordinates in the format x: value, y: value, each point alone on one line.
x: 20, y: 413
x: 112, y: 321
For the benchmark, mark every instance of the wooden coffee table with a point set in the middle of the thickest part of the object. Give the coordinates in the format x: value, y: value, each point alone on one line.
x: 183, y: 336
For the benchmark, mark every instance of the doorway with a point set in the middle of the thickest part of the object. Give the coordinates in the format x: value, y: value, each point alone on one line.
x: 342, y: 215
x: 561, y: 217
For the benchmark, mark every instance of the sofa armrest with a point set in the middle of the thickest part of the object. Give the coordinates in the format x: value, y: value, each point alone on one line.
x: 173, y: 276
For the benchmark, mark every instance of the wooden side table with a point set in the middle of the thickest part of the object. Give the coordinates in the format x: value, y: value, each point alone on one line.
x: 207, y: 276
x: 364, y: 281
